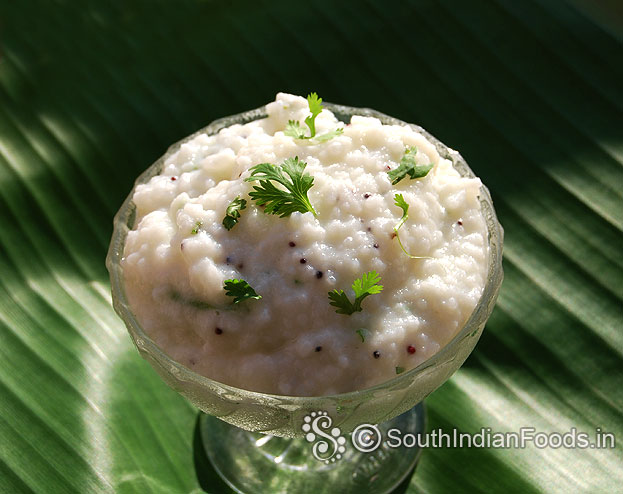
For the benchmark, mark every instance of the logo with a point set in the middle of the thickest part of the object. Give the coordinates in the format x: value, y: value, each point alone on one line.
x: 327, y: 447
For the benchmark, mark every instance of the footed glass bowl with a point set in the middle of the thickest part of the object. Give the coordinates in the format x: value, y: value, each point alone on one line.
x: 255, y: 455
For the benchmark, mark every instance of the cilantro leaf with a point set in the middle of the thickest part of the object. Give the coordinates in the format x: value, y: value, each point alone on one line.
x: 197, y: 227
x: 240, y: 290
x: 277, y: 200
x: 399, y: 201
x: 367, y: 285
x: 408, y: 166
x: 364, y: 286
x: 362, y: 334
x: 327, y: 136
x: 340, y: 300
x: 232, y: 213
x: 294, y: 129
x: 315, y: 107
x: 400, y: 370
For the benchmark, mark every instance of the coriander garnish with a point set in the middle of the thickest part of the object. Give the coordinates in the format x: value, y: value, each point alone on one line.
x: 400, y: 370
x: 408, y: 166
x: 279, y: 201
x: 294, y: 129
x: 240, y: 290
x: 195, y: 230
x: 364, y: 286
x: 399, y: 201
x: 362, y: 334
x: 232, y: 213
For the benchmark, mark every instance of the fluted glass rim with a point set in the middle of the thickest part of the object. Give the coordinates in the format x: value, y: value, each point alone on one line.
x: 144, y: 343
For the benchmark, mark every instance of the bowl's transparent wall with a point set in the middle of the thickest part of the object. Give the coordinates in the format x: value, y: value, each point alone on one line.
x: 283, y: 415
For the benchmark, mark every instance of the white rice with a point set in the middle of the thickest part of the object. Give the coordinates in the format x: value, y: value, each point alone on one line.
x: 292, y: 341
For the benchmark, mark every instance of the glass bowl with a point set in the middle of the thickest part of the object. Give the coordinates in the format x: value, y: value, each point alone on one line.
x: 284, y: 416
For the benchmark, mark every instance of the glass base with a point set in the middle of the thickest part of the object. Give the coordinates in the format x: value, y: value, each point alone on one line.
x: 258, y: 463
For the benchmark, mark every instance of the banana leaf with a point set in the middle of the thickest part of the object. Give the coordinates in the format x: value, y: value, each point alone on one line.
x: 93, y: 92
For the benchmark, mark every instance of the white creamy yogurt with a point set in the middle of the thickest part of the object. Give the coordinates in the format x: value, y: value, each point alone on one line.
x: 292, y: 342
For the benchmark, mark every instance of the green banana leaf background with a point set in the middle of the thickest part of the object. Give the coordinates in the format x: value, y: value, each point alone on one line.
x: 92, y: 92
